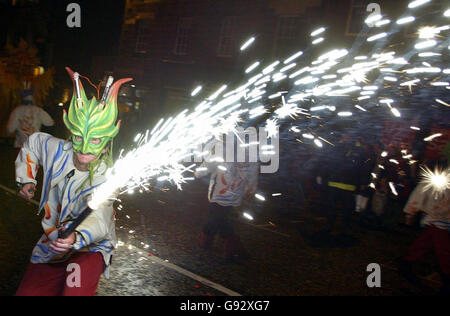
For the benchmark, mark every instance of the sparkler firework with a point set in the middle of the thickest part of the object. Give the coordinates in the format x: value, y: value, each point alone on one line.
x: 364, y: 82
x: 438, y: 181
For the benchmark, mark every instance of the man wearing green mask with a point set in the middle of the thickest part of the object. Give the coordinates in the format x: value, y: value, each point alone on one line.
x: 72, y: 171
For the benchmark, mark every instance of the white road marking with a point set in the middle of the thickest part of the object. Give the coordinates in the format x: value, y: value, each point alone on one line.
x: 266, y: 229
x: 191, y: 275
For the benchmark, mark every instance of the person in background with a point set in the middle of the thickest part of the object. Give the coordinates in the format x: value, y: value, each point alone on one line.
x: 435, y: 203
x: 363, y: 193
x: 231, y: 183
x: 27, y: 119
x: 342, y: 173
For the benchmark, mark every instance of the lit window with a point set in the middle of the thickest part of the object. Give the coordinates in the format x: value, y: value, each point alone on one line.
x: 143, y: 36
x: 288, y: 34
x: 183, y: 35
x: 356, y: 17
x: 227, y: 40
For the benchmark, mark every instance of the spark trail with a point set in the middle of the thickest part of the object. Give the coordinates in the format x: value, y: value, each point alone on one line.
x: 367, y: 83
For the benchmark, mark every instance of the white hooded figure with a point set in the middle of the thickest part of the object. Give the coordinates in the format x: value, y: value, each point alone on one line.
x: 27, y: 119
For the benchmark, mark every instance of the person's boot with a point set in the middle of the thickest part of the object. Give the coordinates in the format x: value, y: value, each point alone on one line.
x: 233, y: 249
x: 406, y: 271
x: 205, y: 241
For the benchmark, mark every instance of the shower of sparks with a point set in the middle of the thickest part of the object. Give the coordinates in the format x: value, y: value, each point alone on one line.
x: 159, y: 155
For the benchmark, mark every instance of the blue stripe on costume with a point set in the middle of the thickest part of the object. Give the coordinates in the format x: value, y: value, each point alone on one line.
x: 62, y: 168
x: 49, y: 175
x: 46, y: 187
x: 88, y: 234
x: 70, y: 189
x: 85, y: 191
x: 43, y: 249
x: 46, y: 151
x: 63, y: 213
x: 59, y: 151
x: 100, y: 248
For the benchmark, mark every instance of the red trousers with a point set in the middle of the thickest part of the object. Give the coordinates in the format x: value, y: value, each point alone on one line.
x: 432, y: 238
x: 44, y: 279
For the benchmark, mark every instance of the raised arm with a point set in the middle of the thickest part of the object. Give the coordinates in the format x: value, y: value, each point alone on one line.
x: 46, y: 119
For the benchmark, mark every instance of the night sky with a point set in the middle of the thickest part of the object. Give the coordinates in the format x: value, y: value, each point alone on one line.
x: 99, y: 34
x: 58, y: 44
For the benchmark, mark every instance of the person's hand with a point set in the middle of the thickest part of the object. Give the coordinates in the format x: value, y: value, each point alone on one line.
x: 319, y: 180
x: 63, y: 245
x: 248, y: 196
x: 27, y: 191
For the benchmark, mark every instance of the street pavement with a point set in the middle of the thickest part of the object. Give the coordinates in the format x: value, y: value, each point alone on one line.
x: 158, y: 255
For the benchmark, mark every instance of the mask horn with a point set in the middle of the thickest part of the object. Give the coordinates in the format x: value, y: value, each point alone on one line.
x: 114, y: 91
x: 80, y: 89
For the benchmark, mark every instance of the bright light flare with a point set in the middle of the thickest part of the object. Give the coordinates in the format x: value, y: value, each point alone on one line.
x: 437, y: 181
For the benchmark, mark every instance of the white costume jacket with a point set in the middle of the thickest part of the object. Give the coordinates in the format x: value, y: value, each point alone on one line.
x: 436, y: 207
x: 63, y: 198
x: 230, y: 182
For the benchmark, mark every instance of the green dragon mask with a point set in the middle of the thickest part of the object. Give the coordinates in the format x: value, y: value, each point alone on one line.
x: 92, y: 123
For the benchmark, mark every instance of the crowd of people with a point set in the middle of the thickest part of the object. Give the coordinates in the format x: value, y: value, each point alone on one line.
x: 382, y: 187
x: 375, y: 183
